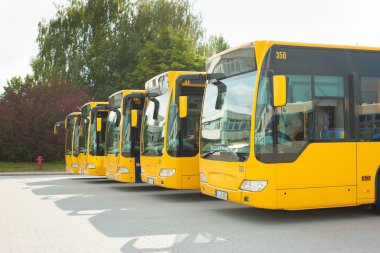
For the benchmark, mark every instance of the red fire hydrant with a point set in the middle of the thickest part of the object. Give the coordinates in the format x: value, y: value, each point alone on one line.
x: 39, y: 162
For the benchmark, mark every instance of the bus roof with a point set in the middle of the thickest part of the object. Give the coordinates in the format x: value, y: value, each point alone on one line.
x: 74, y: 113
x: 266, y: 44
x: 163, y: 82
x: 126, y: 92
x: 93, y: 104
x: 115, y: 99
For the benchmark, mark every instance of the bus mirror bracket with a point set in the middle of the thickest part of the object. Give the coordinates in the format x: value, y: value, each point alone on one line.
x: 156, y: 108
x: 279, y: 90
x: 221, y: 95
x: 134, y: 118
x: 183, y: 107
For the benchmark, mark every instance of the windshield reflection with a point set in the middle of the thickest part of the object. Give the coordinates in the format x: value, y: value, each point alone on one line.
x: 226, y: 118
x: 153, y: 129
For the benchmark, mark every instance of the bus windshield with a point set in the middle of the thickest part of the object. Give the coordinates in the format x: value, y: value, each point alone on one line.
x: 97, y: 138
x: 226, y: 118
x: 113, y: 132
x: 69, y: 135
x: 183, y: 134
x: 153, y: 129
x: 130, y: 142
x: 76, y: 137
x: 83, y: 135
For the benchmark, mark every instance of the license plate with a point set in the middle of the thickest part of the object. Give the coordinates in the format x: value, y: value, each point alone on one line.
x: 111, y: 176
x: 221, y: 195
x: 82, y: 171
x: 150, y: 181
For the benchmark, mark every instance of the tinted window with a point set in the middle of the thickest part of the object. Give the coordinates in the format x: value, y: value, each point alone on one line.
x: 369, y: 109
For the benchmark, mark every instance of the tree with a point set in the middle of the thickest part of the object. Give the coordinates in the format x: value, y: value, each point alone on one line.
x: 28, y: 114
x: 102, y: 44
x: 170, y: 51
x: 214, y: 45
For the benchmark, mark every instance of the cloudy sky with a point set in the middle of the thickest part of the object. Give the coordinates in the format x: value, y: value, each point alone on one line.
x: 239, y: 21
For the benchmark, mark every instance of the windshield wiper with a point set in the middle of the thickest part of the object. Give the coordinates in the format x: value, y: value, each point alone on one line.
x: 204, y: 155
x: 236, y: 155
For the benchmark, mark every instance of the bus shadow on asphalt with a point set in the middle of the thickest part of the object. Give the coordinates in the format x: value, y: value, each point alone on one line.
x: 278, y: 217
x: 139, y: 188
x: 84, y: 178
x: 184, y: 196
x: 100, y: 181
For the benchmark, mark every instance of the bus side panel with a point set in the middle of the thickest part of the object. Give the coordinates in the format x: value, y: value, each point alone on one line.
x: 129, y: 163
x: 111, y: 161
x: 310, y: 198
x: 368, y: 163
x: 320, y: 165
x: 190, y: 165
x: 190, y: 182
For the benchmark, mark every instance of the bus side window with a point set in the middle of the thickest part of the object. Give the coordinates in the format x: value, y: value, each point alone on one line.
x: 329, y: 108
x: 369, y: 109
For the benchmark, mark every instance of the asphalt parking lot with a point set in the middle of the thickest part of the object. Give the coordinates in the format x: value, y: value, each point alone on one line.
x: 85, y: 214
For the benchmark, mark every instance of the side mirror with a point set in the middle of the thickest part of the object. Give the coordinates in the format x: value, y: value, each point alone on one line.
x: 279, y: 90
x: 55, y: 128
x: 134, y: 118
x: 183, y: 107
x: 99, y: 124
x: 56, y: 125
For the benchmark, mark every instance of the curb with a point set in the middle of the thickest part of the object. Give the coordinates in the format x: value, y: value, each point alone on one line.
x: 34, y: 173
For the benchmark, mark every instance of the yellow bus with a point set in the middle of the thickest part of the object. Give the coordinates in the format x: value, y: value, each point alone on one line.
x: 92, y: 138
x: 70, y: 125
x: 292, y: 126
x: 169, y: 141
x: 123, y: 134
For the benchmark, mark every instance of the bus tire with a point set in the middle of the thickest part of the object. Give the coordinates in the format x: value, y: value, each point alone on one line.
x: 376, y: 206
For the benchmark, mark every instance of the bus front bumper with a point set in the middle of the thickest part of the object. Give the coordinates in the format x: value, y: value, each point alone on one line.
x: 124, y: 178
x: 72, y: 170
x: 224, y: 194
x: 264, y: 200
x: 173, y: 182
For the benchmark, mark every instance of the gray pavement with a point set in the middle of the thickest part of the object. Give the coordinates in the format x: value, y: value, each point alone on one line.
x: 88, y: 214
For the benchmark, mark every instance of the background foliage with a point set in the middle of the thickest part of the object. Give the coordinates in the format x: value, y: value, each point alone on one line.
x: 28, y: 112
x: 89, y: 50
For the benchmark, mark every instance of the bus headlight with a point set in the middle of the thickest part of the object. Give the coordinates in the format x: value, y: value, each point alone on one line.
x: 167, y: 172
x: 142, y: 170
x: 90, y: 166
x: 123, y: 170
x: 75, y: 165
x: 253, y: 185
x: 203, y: 178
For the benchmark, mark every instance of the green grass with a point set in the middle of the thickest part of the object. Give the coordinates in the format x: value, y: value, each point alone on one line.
x: 20, y: 167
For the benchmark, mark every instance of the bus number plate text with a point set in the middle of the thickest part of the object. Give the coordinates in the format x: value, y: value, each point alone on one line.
x: 221, y: 195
